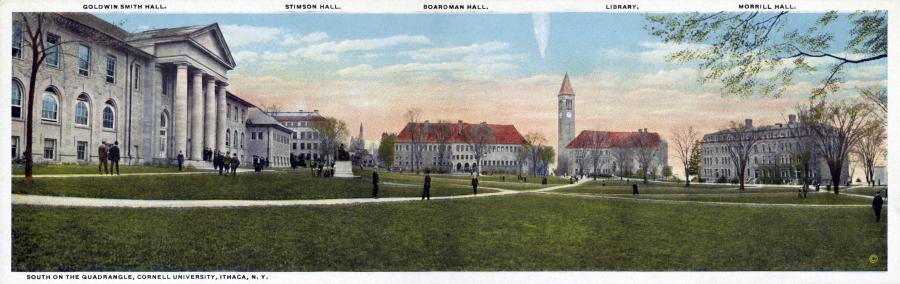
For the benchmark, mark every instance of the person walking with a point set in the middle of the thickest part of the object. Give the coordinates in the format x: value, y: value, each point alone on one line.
x: 235, y: 162
x: 877, y: 202
x: 114, y: 156
x: 375, y: 183
x: 102, y: 156
x: 180, y: 159
x: 634, y: 189
x: 226, y: 162
x: 426, y: 188
x: 475, y: 185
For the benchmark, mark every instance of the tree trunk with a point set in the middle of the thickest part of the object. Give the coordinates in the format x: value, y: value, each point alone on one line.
x: 687, y: 177
x: 836, y: 180
x: 29, y: 119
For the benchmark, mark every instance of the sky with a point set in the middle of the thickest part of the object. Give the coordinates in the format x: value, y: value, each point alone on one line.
x: 498, y: 68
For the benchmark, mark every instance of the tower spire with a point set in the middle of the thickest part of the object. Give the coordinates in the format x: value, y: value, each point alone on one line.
x: 566, y: 88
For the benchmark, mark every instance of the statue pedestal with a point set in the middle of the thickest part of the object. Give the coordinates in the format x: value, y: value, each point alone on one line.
x: 343, y: 169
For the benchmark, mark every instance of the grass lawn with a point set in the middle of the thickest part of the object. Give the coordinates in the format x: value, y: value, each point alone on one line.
x: 483, y: 181
x: 68, y: 169
x: 624, y: 187
x: 772, y: 198
x: 866, y: 190
x: 264, y: 186
x: 526, y: 232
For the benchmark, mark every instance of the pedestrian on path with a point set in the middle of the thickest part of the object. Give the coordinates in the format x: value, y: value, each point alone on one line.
x: 102, y: 155
x: 634, y: 189
x: 114, y: 156
x: 235, y: 162
x: 180, y: 159
x: 426, y: 188
x: 226, y: 162
x: 475, y: 184
x: 877, y: 202
x: 375, y: 183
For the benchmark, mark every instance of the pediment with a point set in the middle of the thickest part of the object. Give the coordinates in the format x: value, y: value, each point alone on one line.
x: 210, y: 38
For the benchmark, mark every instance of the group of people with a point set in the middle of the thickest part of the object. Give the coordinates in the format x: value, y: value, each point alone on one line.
x: 108, y: 153
x: 226, y: 163
x: 319, y: 169
x: 260, y: 163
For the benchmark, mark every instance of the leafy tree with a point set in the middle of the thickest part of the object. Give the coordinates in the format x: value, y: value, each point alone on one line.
x: 755, y: 53
x: 545, y: 156
x: 694, y: 167
x: 534, y: 143
x: 331, y: 132
x: 386, y: 149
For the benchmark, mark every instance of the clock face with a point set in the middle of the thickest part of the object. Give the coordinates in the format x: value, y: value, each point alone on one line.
x: 569, y: 114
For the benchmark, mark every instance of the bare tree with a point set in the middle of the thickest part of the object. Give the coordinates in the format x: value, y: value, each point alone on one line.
x: 533, y: 143
x: 837, y: 126
x: 871, y: 148
x: 417, y: 135
x: 685, y: 140
x: 623, y: 156
x: 582, y: 158
x: 801, y: 148
x: 442, y: 132
x: 740, y: 139
x: 331, y: 132
x: 272, y: 108
x: 597, y: 153
x: 480, y: 138
x: 33, y: 39
x: 877, y: 97
x: 645, y: 150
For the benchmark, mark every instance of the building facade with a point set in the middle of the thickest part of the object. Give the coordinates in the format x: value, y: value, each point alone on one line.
x: 305, y: 140
x: 772, y: 159
x: 617, y: 153
x: 500, y: 155
x: 157, y: 92
x: 566, y: 125
x: 269, y: 140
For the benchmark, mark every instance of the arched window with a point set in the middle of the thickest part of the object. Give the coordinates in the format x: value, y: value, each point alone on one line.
x: 235, y: 144
x: 109, y: 115
x: 82, y: 110
x: 242, y: 140
x: 16, y: 99
x: 227, y: 137
x: 50, y: 105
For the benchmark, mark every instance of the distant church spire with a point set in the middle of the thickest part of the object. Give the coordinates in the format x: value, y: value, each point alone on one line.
x: 566, y: 88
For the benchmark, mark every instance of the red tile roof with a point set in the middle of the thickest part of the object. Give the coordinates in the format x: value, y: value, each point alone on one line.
x: 505, y: 134
x: 610, y: 139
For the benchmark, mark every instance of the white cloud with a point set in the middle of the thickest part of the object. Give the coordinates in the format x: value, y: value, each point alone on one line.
x: 274, y: 56
x: 291, y: 39
x: 245, y: 56
x: 239, y: 35
x: 329, y: 51
x: 652, y: 53
x: 437, y: 53
x: 541, y: 23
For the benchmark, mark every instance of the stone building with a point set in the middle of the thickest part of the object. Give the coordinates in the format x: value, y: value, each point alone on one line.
x: 617, y: 153
x: 501, y: 155
x: 771, y: 159
x: 156, y: 92
x: 565, y: 126
x: 305, y: 141
x: 269, y: 139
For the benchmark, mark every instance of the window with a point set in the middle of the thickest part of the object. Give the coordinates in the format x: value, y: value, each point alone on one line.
x: 294, y: 146
x: 165, y: 86
x: 52, y: 50
x: 227, y: 111
x: 109, y: 115
x: 111, y: 69
x: 227, y: 137
x: 242, y: 140
x: 80, y: 149
x: 15, y: 147
x: 81, y: 110
x: 235, y: 139
x: 84, y: 60
x: 137, y: 76
x: 235, y: 112
x: 163, y: 129
x: 49, y: 148
x: 17, y: 40
x: 16, y: 99
x: 49, y: 106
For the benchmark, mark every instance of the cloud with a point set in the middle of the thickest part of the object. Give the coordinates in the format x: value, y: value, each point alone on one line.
x: 437, y: 53
x: 365, y: 70
x: 652, y: 52
x: 291, y: 39
x: 245, y: 56
x: 239, y: 35
x: 541, y: 23
x: 329, y: 51
x: 274, y: 56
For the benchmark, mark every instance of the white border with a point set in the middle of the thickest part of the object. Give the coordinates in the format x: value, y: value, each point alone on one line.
x: 503, y: 6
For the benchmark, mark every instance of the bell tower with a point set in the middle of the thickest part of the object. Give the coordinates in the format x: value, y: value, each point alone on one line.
x: 566, y: 127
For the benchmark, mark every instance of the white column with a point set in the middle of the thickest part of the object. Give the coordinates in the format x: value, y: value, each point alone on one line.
x: 209, y: 123
x: 220, y: 117
x: 197, y: 117
x: 180, y: 115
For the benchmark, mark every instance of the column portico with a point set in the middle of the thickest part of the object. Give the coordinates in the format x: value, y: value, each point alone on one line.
x: 209, y: 122
x: 220, y: 117
x: 180, y: 116
x: 197, y: 117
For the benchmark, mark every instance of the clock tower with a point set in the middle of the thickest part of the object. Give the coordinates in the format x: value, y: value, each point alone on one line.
x: 566, y: 127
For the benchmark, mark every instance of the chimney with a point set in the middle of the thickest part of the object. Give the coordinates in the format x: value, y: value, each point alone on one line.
x: 748, y: 123
x: 316, y: 111
x: 639, y: 130
x: 426, y: 128
x: 645, y: 130
x: 300, y: 110
x: 459, y: 127
x: 792, y: 119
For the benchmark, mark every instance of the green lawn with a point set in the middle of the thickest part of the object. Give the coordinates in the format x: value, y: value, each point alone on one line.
x: 525, y: 232
x: 624, y: 187
x: 263, y: 186
x: 770, y: 198
x: 866, y: 190
x: 68, y: 169
x: 484, y: 181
